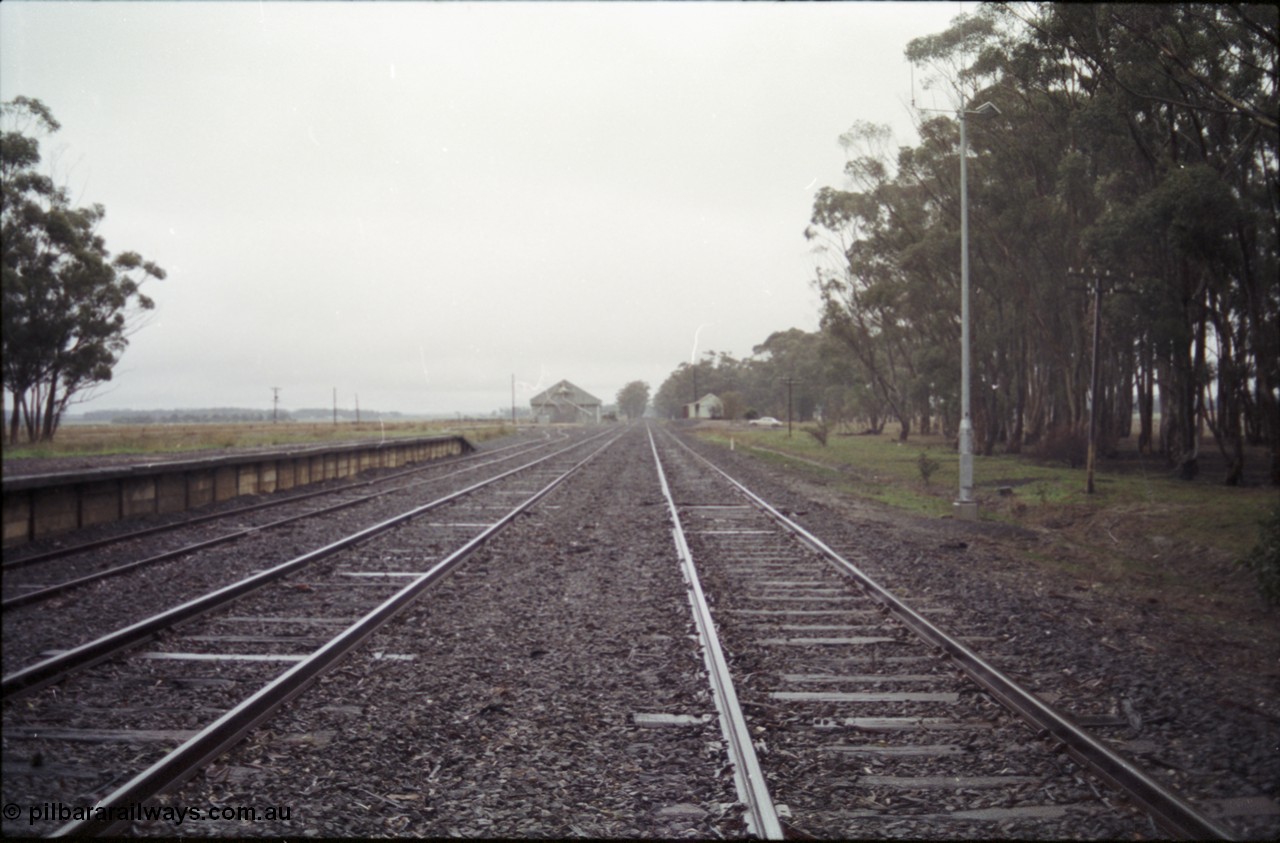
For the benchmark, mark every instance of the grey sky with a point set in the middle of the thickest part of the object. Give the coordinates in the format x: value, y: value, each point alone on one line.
x: 413, y: 202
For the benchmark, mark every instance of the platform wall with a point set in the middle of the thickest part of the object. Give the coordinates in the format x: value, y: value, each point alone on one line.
x: 39, y: 506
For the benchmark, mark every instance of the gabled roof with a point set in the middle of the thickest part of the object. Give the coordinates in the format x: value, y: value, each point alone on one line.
x: 564, y: 393
x: 709, y: 398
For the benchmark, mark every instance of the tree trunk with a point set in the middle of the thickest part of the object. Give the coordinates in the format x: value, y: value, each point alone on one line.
x: 1265, y: 340
x: 13, y: 418
x: 30, y: 417
x: 1146, y: 399
x: 1014, y: 445
x: 48, y: 423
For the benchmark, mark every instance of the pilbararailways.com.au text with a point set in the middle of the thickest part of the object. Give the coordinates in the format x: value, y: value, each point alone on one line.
x: 137, y: 812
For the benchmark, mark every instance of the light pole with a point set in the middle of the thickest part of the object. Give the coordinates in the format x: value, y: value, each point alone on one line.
x: 965, y: 506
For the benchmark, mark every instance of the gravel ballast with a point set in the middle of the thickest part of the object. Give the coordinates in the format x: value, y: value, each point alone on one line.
x: 523, y: 710
x: 512, y: 699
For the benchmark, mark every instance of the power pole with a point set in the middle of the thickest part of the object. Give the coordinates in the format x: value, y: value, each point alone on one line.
x: 790, y: 382
x: 513, y: 402
x: 1092, y: 458
x: 275, y: 407
x: 335, y: 406
x: 357, y: 408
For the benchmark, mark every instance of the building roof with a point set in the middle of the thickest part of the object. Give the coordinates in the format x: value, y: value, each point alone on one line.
x: 565, y: 393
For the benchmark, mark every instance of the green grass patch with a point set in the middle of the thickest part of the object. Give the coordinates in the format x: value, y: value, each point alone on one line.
x: 857, y: 465
x: 1136, y: 500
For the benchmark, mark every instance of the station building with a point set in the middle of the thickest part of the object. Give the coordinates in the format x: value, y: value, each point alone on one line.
x: 565, y: 403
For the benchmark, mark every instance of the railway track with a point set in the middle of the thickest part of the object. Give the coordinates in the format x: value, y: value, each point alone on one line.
x: 559, y: 684
x: 871, y: 719
x: 133, y: 576
x: 207, y: 651
x: 33, y: 577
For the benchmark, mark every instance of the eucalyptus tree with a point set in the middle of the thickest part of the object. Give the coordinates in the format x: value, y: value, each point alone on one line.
x: 788, y: 364
x: 633, y: 399
x: 67, y: 304
x: 881, y: 291
x: 1195, y: 87
x: 1138, y: 140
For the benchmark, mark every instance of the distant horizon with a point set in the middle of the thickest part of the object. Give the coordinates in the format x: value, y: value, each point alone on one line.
x: 309, y: 411
x: 268, y: 410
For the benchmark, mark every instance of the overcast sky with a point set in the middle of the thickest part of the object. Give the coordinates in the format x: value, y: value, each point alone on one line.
x: 413, y: 202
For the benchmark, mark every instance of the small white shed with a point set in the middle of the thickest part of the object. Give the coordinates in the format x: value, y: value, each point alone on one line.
x: 707, y: 407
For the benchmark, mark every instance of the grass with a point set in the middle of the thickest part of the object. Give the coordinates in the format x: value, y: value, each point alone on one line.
x: 107, y: 439
x: 1136, y: 499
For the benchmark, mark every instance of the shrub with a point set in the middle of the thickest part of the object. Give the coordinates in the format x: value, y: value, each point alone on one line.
x: 820, y: 432
x: 927, y: 466
x: 1264, y: 559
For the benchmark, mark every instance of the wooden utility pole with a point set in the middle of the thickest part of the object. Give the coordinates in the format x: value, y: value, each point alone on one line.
x: 1091, y: 460
x: 275, y: 406
x: 790, y: 382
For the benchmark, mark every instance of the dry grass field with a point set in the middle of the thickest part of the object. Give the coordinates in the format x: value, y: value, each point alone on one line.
x: 82, y: 440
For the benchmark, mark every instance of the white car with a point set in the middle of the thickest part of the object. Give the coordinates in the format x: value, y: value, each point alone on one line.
x: 766, y: 421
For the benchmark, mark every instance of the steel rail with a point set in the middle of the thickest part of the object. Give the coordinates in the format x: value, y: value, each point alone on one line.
x: 60, y: 552
x: 58, y: 588
x: 1173, y: 814
x: 228, y: 729
x: 50, y: 670
x: 748, y: 777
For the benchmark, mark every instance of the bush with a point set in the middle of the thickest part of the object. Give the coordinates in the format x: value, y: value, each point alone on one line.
x: 1264, y: 559
x: 820, y: 432
x: 927, y: 466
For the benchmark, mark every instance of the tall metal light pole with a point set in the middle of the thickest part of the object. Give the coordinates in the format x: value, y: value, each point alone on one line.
x: 965, y: 506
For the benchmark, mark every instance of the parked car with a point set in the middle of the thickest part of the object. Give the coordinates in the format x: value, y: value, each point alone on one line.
x: 765, y: 421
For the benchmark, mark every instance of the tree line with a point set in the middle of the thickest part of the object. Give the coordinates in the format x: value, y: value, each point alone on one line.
x: 806, y: 371
x: 1135, y: 148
